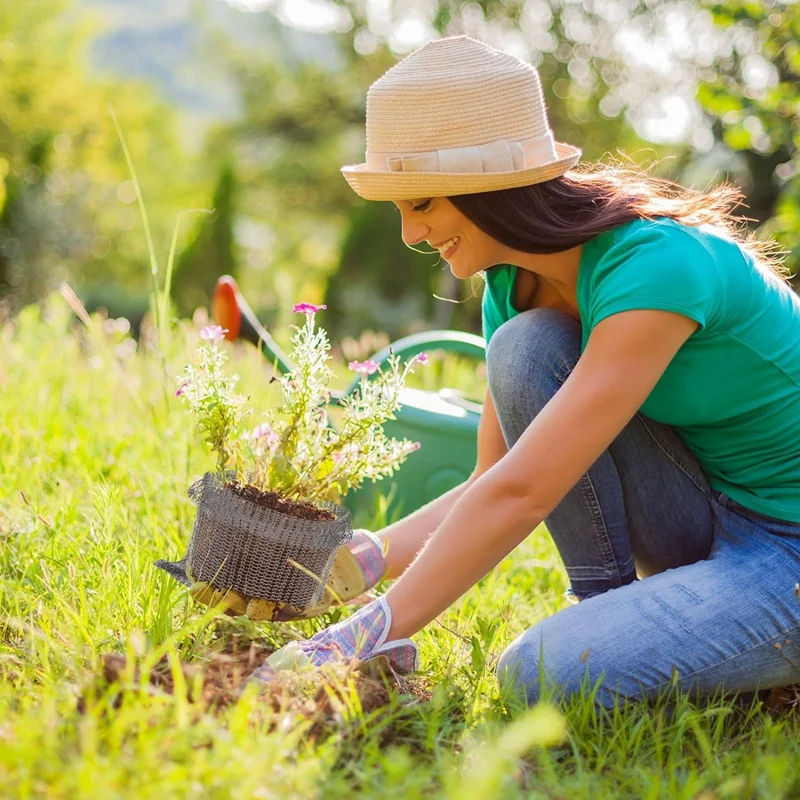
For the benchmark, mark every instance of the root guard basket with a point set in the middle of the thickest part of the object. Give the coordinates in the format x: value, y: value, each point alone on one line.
x: 260, y: 552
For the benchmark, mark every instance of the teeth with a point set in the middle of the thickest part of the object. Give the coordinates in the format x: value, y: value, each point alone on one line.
x: 448, y: 244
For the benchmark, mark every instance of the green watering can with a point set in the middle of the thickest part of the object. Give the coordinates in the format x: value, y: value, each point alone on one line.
x: 445, y: 424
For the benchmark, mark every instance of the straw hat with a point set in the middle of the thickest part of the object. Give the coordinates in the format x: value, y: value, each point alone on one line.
x: 457, y: 117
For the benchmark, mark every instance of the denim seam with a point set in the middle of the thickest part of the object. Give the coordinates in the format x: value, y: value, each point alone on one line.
x: 683, y: 678
x: 593, y: 571
x: 674, y: 458
x: 599, y: 523
x: 566, y: 369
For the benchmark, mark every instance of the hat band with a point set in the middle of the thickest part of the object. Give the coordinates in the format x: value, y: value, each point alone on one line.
x: 499, y: 156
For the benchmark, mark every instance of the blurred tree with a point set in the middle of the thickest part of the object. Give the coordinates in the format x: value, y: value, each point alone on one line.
x: 302, y: 99
x: 379, y: 284
x: 633, y: 66
x: 754, y: 100
x: 70, y: 208
x: 303, y: 117
x: 211, y: 251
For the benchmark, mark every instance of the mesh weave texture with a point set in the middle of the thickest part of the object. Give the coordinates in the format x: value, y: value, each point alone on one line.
x: 237, y: 544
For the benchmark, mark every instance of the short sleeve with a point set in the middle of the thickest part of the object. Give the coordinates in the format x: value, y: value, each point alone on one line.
x: 656, y: 266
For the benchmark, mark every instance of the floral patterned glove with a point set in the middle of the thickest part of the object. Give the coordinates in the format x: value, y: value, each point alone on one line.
x: 361, y: 637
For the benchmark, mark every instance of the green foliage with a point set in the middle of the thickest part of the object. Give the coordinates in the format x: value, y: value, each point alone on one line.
x: 302, y: 118
x: 754, y: 100
x: 69, y: 210
x: 212, y: 251
x: 285, y: 219
x: 380, y: 284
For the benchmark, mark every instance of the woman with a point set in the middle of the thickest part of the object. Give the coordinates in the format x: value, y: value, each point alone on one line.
x: 643, y: 400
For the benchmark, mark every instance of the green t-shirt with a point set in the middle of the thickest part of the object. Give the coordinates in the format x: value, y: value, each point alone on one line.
x: 732, y: 391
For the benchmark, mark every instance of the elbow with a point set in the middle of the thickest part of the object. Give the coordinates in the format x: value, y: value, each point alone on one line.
x: 516, y: 495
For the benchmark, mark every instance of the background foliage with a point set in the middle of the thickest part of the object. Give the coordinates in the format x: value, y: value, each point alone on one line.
x: 249, y: 114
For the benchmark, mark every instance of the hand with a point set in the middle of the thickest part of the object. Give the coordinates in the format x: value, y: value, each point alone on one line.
x: 361, y: 637
x: 358, y: 567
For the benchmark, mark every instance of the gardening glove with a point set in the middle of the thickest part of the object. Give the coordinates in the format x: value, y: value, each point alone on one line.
x: 357, y: 567
x: 361, y: 637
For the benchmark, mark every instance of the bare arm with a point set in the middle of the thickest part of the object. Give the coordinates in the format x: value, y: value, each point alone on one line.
x: 624, y: 358
x: 406, y: 537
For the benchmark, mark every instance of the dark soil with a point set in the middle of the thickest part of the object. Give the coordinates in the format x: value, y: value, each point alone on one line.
x: 274, y: 501
x: 784, y: 699
x: 214, y: 684
x: 219, y: 676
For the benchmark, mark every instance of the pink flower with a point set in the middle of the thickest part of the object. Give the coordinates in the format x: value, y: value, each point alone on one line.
x: 414, y: 446
x: 182, y: 388
x: 262, y: 430
x: 364, y: 367
x: 421, y: 358
x: 265, y: 434
x: 213, y: 332
x: 307, y: 308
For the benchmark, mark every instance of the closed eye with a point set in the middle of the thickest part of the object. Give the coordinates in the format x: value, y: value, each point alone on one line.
x: 423, y: 206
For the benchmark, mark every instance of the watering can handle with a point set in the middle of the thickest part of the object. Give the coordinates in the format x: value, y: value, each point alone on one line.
x: 453, y: 341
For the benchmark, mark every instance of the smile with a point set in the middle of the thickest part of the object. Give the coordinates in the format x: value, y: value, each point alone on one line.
x: 447, y: 248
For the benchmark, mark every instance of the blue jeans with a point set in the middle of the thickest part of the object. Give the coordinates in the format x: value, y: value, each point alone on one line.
x: 678, y: 584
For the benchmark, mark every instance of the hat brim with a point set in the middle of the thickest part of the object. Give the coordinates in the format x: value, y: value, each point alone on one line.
x: 373, y: 185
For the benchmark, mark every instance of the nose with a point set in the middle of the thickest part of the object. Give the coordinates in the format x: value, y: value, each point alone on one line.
x: 414, y: 231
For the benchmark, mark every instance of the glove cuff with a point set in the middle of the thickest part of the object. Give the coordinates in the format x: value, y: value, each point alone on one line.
x: 367, y: 550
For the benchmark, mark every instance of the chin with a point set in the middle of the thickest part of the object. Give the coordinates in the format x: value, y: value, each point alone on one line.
x: 464, y: 271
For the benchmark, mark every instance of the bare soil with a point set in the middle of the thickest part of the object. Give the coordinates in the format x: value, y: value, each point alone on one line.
x: 215, y: 682
x: 274, y: 501
x: 220, y: 675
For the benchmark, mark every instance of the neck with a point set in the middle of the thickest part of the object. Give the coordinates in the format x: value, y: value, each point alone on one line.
x: 560, y: 268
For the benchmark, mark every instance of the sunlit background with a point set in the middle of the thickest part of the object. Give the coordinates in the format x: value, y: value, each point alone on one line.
x: 247, y: 109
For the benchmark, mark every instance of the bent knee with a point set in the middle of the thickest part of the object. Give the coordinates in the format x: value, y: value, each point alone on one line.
x: 518, y: 672
x: 534, y: 351
x: 544, y: 330
x: 543, y: 663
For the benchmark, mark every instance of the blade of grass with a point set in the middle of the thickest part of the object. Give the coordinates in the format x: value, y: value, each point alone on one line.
x: 145, y: 221
x: 167, y: 289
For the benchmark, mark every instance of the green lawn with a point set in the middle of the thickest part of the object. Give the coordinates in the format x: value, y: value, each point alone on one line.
x: 97, y: 454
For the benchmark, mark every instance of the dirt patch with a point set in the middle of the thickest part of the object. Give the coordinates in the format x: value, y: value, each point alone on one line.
x: 214, y: 682
x: 274, y: 501
x: 785, y: 699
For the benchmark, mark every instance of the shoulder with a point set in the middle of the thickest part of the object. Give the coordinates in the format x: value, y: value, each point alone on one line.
x: 655, y: 264
x: 663, y: 238
x: 647, y: 250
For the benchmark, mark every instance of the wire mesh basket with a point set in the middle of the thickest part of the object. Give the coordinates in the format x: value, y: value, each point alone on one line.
x: 261, y: 552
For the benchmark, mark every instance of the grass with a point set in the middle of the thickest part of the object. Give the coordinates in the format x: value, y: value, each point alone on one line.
x: 96, y: 458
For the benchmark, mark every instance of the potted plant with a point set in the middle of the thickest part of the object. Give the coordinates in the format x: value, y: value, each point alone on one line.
x: 268, y: 521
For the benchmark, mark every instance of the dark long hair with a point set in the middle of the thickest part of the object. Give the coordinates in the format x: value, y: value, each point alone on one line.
x: 584, y: 202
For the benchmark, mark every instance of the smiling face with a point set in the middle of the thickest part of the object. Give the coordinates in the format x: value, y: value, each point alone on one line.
x: 465, y: 247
